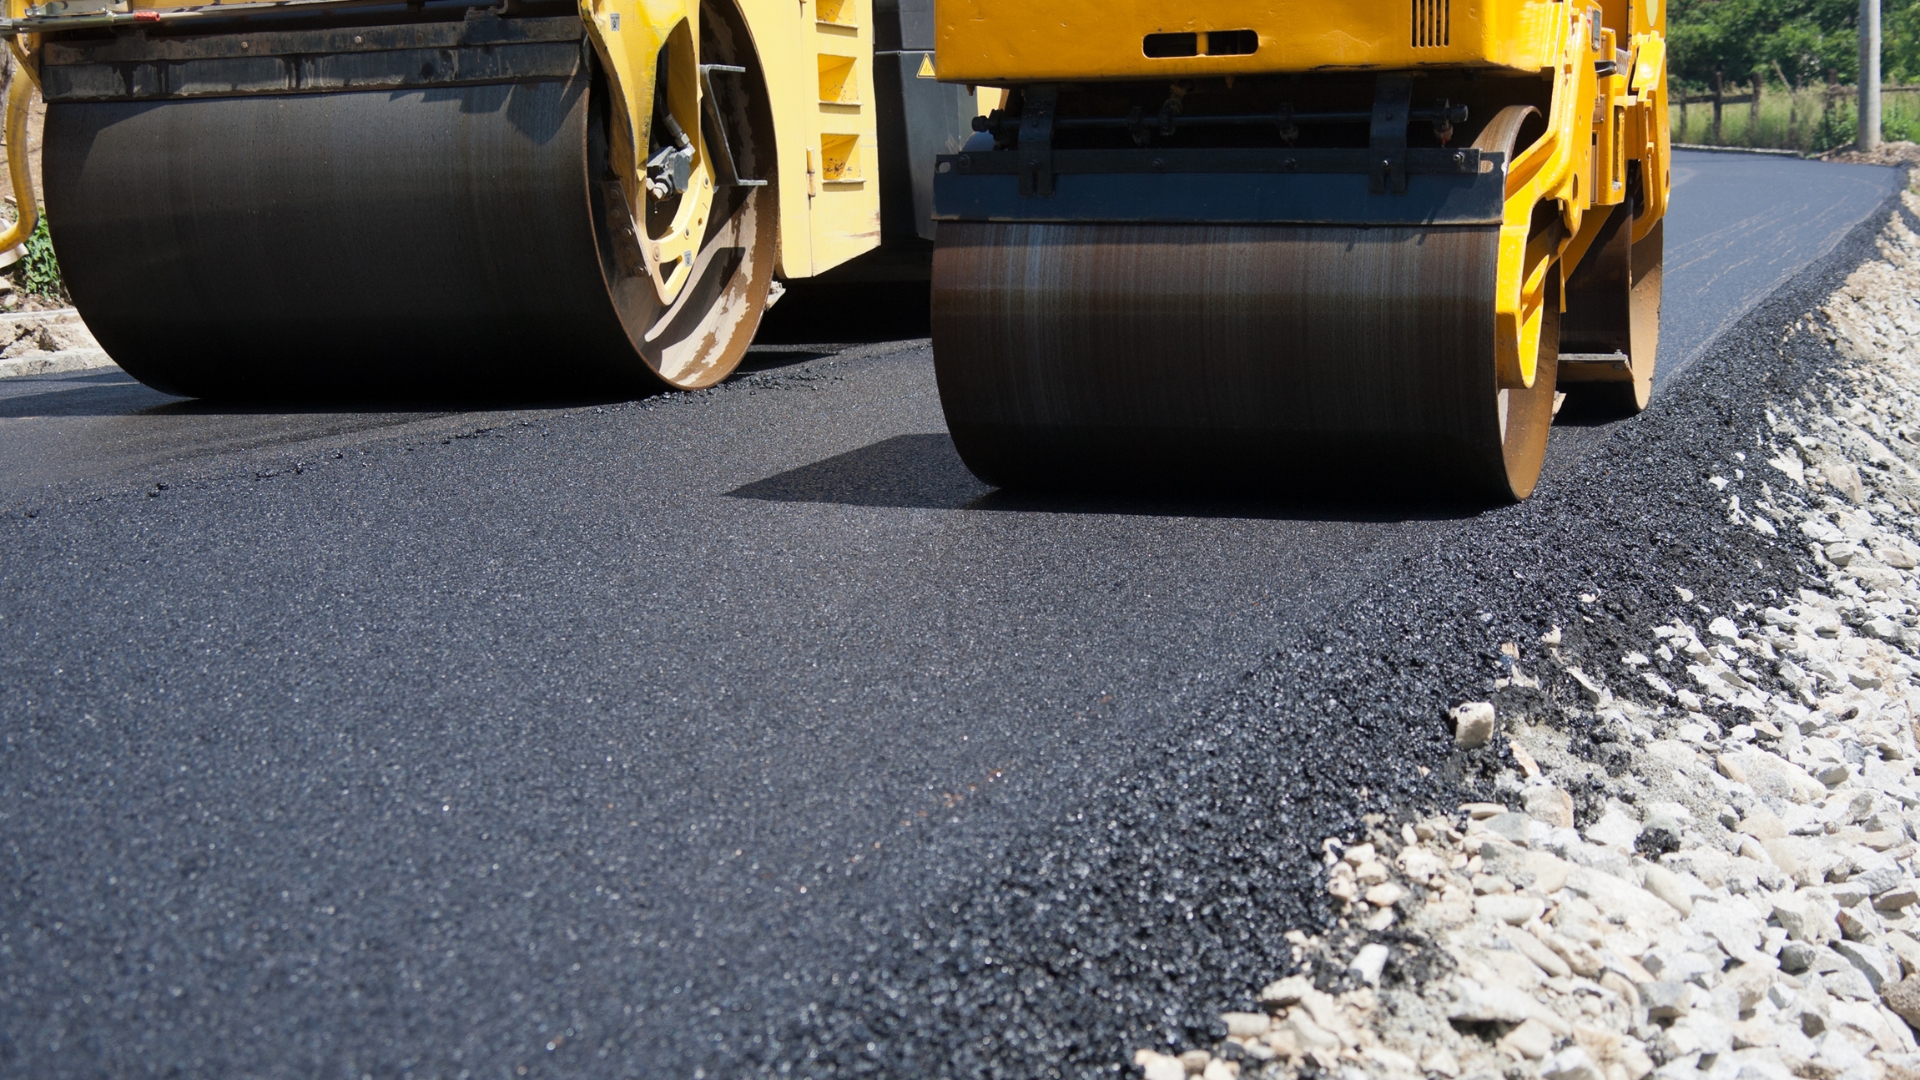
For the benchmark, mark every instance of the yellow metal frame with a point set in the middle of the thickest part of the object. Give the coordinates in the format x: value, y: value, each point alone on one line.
x: 19, y: 157
x: 1597, y: 128
x: 817, y: 59
x: 1014, y: 41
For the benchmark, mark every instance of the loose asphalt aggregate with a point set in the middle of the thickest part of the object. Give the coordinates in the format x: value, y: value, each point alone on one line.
x: 744, y: 731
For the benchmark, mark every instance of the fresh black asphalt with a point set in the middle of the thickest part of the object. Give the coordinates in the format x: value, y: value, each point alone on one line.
x: 744, y: 731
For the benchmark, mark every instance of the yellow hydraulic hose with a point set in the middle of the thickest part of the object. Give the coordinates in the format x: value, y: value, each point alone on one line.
x: 19, y: 96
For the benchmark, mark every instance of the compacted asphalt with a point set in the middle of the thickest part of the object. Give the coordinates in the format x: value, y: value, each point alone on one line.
x: 744, y: 731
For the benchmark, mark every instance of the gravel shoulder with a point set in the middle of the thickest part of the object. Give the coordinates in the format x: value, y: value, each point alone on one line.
x: 1697, y: 858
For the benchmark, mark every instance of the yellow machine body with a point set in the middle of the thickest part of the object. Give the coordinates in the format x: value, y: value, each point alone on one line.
x: 1567, y: 101
x: 996, y: 41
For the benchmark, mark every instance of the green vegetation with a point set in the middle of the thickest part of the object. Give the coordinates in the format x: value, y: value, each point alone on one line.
x: 1797, y: 52
x: 1804, y: 42
x: 1804, y: 120
x: 39, y: 272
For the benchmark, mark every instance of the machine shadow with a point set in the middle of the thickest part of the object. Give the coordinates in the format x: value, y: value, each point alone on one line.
x: 1584, y: 412
x: 114, y: 393
x: 423, y: 405
x: 86, y: 393
x: 847, y: 313
x: 923, y: 472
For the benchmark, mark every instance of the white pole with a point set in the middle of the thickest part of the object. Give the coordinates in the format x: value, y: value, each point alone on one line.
x: 1869, y: 76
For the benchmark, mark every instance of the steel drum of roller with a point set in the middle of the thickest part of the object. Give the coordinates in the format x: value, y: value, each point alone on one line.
x: 1246, y: 356
x: 444, y: 239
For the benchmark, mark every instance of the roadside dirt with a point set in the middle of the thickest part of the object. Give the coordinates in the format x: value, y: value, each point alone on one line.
x: 1899, y: 152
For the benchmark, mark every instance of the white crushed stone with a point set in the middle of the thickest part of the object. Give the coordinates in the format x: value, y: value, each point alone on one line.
x: 47, y: 342
x: 1777, y: 933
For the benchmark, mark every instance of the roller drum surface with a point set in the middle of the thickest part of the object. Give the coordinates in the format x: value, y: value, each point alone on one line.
x: 341, y: 243
x: 1251, y: 358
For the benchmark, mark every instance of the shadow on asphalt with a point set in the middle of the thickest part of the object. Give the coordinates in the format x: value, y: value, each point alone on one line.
x: 923, y: 472
x: 1582, y: 412
x: 104, y: 393
x: 117, y: 394
x: 113, y: 392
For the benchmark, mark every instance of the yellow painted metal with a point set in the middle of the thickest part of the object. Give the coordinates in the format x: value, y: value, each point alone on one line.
x: 19, y: 174
x: 817, y: 57
x: 1014, y: 41
x: 1648, y: 140
x: 628, y: 36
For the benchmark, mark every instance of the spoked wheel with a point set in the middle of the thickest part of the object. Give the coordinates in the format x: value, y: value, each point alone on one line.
x: 1610, y: 335
x: 690, y: 274
x: 451, y: 242
x: 1251, y: 358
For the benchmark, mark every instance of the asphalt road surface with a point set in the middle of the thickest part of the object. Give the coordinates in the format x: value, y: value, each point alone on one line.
x: 733, y: 732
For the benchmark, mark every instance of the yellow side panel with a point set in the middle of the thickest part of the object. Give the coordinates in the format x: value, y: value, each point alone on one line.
x: 818, y: 58
x: 1004, y: 41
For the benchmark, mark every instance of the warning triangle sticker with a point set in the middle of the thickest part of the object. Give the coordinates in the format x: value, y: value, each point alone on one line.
x: 926, y: 67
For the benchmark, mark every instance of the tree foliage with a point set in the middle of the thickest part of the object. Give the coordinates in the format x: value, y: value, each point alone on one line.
x: 1808, y: 41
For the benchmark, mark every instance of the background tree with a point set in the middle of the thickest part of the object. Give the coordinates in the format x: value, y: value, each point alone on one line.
x: 1804, y: 39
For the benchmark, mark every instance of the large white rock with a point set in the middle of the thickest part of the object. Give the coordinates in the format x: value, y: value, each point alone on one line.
x: 1614, y: 829
x: 1807, y: 916
x: 1573, y: 1063
x: 1514, y: 910
x: 1474, y: 723
x: 1369, y: 962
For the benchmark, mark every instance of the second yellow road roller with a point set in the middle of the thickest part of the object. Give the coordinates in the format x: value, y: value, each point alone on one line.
x: 342, y: 198
x: 1272, y: 243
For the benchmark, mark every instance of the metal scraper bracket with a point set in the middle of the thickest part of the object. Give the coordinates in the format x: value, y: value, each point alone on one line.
x: 1035, y: 147
x: 478, y: 49
x: 1313, y: 186
x: 1392, y: 101
x: 721, y: 144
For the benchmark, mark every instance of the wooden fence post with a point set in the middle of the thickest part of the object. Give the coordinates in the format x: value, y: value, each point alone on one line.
x: 1719, y: 95
x: 1793, y: 107
x: 1753, y: 109
x: 1826, y: 101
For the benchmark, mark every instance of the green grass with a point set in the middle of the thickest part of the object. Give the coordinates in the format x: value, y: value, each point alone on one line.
x: 39, y: 272
x: 1802, y: 121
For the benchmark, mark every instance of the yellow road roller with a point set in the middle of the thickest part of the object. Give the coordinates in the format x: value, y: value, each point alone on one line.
x: 327, y: 198
x: 1293, y: 243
